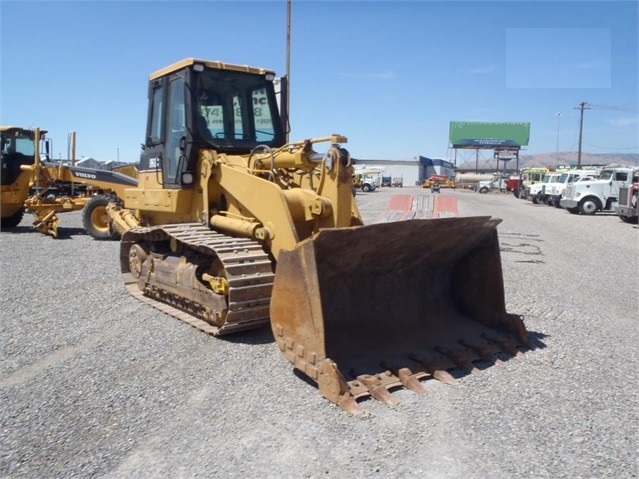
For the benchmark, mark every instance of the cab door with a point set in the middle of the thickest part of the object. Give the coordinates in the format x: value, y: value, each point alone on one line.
x: 619, y: 179
x: 166, y: 133
x: 175, y: 131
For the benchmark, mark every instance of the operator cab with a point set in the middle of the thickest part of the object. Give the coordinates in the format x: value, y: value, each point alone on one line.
x: 198, y: 104
x: 18, y: 148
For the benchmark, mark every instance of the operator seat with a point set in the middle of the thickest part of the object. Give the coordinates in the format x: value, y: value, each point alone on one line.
x: 203, y: 128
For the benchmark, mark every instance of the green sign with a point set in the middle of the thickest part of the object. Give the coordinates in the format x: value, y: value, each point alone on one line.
x: 481, y: 134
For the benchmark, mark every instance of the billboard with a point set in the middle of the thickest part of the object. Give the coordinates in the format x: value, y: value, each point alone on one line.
x: 481, y: 134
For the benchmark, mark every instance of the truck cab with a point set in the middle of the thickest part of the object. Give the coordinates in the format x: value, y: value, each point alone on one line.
x: 628, y: 205
x: 555, y: 190
x: 537, y: 192
x: 530, y: 176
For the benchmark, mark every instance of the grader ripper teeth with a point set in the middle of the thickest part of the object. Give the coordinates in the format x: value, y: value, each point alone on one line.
x: 246, y: 272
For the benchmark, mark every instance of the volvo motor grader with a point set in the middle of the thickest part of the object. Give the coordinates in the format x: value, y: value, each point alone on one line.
x: 231, y: 227
x: 45, y: 189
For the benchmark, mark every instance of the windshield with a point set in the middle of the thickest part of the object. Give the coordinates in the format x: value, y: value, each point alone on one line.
x: 236, y: 109
x: 563, y: 178
x: 606, y: 175
x: 19, y: 142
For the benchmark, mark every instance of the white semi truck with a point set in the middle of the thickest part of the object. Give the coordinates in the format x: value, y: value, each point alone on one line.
x: 628, y: 207
x: 601, y: 194
x: 555, y: 190
x: 537, y: 191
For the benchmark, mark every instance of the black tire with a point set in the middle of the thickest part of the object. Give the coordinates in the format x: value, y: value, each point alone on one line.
x: 589, y: 206
x: 573, y: 211
x: 535, y: 200
x: 483, y: 190
x: 516, y: 193
x: 366, y: 188
x: 95, y: 220
x: 13, y: 220
x: 633, y: 220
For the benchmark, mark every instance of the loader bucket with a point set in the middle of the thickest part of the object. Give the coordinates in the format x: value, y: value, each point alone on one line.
x: 363, y: 310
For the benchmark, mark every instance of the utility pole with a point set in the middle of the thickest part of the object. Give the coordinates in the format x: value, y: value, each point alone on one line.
x: 288, y: 65
x: 558, y: 114
x: 582, y: 106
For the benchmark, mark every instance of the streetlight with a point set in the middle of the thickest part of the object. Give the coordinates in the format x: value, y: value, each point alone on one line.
x: 558, y: 115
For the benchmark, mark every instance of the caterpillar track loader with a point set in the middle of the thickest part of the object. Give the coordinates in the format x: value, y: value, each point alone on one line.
x: 46, y: 189
x: 231, y: 228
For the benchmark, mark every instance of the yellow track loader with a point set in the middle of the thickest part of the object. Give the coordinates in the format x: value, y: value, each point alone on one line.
x: 231, y: 228
x: 45, y: 189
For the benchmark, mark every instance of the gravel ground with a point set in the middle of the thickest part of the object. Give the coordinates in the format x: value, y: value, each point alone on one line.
x: 96, y: 384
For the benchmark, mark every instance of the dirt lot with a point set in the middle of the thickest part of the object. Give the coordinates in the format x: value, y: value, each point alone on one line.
x: 96, y: 384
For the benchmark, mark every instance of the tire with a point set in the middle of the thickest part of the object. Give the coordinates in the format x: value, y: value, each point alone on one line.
x: 516, y: 193
x: 13, y: 220
x: 522, y: 194
x: 366, y: 188
x: 95, y: 219
x: 573, y: 211
x: 589, y: 206
x: 483, y: 190
x: 633, y: 220
x: 535, y: 200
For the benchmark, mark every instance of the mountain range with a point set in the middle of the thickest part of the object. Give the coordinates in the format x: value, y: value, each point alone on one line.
x: 566, y: 158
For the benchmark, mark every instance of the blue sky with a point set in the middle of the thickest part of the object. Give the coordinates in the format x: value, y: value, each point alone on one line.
x: 389, y: 75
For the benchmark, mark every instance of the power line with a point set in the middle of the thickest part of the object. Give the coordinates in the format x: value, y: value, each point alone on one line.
x: 612, y: 147
x: 595, y: 106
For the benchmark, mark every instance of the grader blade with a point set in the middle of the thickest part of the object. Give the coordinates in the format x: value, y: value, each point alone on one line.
x: 367, y: 309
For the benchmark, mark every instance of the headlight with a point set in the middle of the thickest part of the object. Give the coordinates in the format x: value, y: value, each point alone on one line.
x: 187, y: 178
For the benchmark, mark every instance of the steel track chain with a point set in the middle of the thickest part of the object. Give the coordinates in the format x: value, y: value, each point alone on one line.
x: 249, y: 273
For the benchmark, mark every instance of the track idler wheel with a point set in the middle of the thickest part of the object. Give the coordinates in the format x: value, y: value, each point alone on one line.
x: 137, y: 257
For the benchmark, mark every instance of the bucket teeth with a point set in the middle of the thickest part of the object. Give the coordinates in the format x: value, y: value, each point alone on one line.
x: 461, y: 360
x: 411, y: 381
x: 348, y: 403
x: 506, y: 344
x: 443, y: 376
x: 435, y: 369
x: 377, y: 389
x: 484, y: 352
x: 408, y: 378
